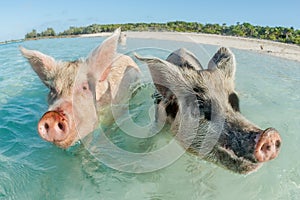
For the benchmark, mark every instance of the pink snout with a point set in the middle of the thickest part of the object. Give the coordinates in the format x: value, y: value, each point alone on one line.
x: 53, y: 126
x: 268, y: 145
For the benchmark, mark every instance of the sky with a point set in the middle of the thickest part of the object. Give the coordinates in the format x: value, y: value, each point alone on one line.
x: 18, y: 17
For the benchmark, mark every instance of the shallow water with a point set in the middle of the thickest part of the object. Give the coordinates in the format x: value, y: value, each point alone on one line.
x: 269, y: 90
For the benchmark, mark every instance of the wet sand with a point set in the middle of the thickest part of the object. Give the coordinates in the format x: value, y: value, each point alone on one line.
x: 282, y: 50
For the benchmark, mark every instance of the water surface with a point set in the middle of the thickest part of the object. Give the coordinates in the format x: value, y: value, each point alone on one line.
x: 269, y: 90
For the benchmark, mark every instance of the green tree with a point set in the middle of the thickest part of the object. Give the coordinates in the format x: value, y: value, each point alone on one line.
x: 48, y: 32
x: 32, y: 34
x: 281, y: 34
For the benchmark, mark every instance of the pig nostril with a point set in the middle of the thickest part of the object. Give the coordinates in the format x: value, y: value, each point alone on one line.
x: 60, y: 126
x: 265, y: 147
x: 277, y: 144
x: 46, y: 125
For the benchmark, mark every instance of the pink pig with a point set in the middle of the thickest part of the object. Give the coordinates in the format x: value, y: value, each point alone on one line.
x: 81, y: 90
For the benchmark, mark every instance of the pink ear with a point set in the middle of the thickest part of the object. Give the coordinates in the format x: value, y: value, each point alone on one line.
x: 100, y: 60
x: 42, y: 64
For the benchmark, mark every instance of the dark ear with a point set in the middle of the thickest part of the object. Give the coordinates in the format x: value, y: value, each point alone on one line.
x: 184, y: 58
x: 223, y: 60
x: 167, y: 77
x: 44, y: 65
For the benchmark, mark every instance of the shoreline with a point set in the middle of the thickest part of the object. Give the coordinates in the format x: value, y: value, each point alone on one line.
x: 267, y: 47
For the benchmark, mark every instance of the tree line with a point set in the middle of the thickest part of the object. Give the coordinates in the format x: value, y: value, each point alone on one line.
x: 280, y: 34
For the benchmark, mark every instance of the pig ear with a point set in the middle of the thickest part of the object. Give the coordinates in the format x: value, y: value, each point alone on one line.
x: 166, y: 76
x: 42, y: 64
x: 184, y: 58
x: 100, y: 60
x: 223, y: 60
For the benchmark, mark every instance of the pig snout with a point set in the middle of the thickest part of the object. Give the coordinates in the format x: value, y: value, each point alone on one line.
x: 268, y: 145
x: 53, y: 126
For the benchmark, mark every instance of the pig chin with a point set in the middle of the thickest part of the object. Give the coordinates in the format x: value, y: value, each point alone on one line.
x: 226, y: 158
x: 57, y: 126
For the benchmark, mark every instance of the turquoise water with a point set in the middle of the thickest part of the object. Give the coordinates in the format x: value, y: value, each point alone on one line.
x: 269, y: 90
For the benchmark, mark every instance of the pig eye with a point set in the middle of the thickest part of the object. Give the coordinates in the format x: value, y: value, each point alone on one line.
x: 53, y: 91
x: 85, y: 86
x: 198, y: 90
x: 52, y: 95
x: 204, y: 108
x: 234, y: 102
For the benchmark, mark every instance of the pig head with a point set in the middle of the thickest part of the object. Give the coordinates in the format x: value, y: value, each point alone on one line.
x: 202, y: 107
x: 79, y: 90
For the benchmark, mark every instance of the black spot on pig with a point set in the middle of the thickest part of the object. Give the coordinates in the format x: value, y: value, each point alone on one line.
x: 234, y: 102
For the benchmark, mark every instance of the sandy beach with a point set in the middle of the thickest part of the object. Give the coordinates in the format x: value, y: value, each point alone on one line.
x: 282, y: 50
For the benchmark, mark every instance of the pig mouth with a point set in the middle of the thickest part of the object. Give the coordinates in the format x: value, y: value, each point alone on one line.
x: 228, y: 159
